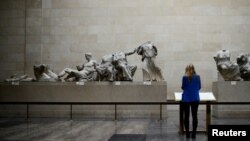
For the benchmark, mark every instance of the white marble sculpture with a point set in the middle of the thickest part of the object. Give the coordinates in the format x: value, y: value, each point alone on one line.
x: 106, y: 70
x: 230, y: 71
x: 42, y: 72
x: 151, y: 72
x: 125, y: 71
x: 86, y: 72
x: 243, y: 60
x: 115, y: 67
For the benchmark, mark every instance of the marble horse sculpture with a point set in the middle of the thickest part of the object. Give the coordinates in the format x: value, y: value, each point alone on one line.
x: 230, y: 71
x: 151, y: 72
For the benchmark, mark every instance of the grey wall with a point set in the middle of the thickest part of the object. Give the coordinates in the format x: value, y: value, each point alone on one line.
x: 58, y: 32
x: 12, y: 37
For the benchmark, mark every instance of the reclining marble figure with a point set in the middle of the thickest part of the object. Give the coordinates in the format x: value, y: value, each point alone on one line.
x: 151, y: 72
x: 42, y: 72
x: 230, y: 71
x: 86, y: 72
x: 115, y: 67
x: 22, y: 78
x: 243, y: 60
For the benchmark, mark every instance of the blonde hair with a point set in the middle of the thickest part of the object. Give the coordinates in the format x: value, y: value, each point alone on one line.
x: 190, y: 71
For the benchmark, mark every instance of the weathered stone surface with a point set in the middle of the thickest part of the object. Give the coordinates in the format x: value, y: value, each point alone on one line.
x: 229, y: 70
x: 243, y: 60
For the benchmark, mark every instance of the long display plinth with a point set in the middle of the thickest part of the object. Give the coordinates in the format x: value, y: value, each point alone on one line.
x: 83, y: 92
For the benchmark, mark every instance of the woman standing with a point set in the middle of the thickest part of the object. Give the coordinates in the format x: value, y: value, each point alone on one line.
x: 191, y: 85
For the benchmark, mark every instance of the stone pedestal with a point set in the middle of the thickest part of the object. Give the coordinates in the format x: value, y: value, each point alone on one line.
x: 231, y: 91
x: 87, y: 92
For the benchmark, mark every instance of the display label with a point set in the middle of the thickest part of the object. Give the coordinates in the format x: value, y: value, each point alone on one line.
x: 14, y: 83
x: 117, y: 83
x: 79, y: 83
x: 233, y: 82
x: 147, y: 83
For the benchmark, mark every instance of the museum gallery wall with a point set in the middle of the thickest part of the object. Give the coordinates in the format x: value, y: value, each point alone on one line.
x: 59, y: 33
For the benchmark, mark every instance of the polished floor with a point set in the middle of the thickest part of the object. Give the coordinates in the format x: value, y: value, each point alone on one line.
x: 57, y: 129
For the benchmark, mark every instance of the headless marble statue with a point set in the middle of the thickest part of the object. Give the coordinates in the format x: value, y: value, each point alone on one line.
x: 151, y: 72
x: 229, y: 70
x: 125, y: 70
x: 115, y: 67
x: 106, y: 69
x: 42, y: 72
x: 22, y: 78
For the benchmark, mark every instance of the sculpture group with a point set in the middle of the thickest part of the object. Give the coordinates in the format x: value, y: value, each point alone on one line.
x: 231, y: 71
x: 113, y: 67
